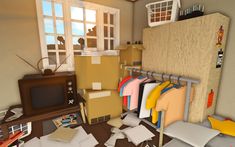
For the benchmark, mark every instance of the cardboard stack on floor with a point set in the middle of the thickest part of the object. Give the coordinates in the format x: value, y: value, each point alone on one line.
x: 99, y: 77
x: 130, y: 57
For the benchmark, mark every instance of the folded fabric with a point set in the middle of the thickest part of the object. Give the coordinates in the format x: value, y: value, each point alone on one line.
x: 226, y: 127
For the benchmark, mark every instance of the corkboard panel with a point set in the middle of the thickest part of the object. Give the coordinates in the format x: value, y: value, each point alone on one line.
x: 185, y: 48
x: 154, y: 58
x: 215, y: 73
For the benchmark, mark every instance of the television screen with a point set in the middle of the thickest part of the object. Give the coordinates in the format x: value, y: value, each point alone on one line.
x: 46, y: 96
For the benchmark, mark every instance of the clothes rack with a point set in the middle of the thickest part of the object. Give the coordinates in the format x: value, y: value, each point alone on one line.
x: 189, y: 82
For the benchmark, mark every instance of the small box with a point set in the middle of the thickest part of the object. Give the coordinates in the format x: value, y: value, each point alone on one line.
x: 131, y: 54
x: 124, y: 72
x: 102, y: 105
x: 97, y: 72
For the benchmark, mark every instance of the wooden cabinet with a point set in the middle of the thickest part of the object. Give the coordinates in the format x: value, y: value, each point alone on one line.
x: 189, y: 48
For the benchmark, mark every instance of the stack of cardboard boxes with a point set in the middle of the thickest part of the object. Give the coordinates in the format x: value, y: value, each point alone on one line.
x: 99, y: 77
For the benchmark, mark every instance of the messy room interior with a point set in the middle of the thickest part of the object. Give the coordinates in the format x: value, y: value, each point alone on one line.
x: 117, y: 73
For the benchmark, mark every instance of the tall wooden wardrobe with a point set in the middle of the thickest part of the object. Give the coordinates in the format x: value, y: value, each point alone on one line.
x: 194, y: 48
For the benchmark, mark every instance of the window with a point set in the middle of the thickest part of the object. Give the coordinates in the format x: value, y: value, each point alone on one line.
x: 69, y: 27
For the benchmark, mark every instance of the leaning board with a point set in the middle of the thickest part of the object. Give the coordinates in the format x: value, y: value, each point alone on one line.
x: 188, y: 48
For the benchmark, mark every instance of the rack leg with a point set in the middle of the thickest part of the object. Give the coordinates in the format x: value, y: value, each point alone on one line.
x: 187, y: 101
x: 161, y: 129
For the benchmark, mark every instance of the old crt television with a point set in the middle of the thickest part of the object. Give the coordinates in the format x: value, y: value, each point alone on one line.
x: 40, y: 94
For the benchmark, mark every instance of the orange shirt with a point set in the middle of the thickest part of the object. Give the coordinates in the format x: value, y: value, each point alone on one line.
x: 173, y: 102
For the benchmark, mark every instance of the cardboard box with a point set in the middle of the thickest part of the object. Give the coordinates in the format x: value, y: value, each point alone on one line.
x: 131, y: 54
x: 97, y: 72
x: 102, y: 105
x: 124, y: 72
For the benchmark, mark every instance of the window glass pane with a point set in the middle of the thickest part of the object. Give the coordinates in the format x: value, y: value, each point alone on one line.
x: 77, y: 53
x: 52, y: 58
x: 60, y: 27
x: 77, y: 28
x: 90, y: 15
x: 106, y: 44
x: 111, y: 32
x: 105, y: 31
x: 50, y: 41
x: 111, y: 44
x: 61, y: 42
x: 105, y: 18
x: 91, y: 29
x: 58, y: 10
x: 111, y: 19
x: 76, y: 13
x: 91, y: 43
x: 48, y: 23
x: 62, y: 57
x: 78, y: 43
x: 46, y: 8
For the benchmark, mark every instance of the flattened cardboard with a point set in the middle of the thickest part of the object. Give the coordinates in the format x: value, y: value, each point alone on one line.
x: 102, y: 106
x: 89, y: 73
x: 131, y: 54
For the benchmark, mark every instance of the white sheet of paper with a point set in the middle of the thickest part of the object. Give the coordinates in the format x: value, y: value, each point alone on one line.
x: 35, y: 142
x: 89, y: 141
x: 144, y: 113
x: 131, y: 120
x: 138, y: 134
x: 81, y: 135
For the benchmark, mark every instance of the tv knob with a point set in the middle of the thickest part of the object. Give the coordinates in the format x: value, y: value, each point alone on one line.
x: 70, y: 88
x: 70, y: 83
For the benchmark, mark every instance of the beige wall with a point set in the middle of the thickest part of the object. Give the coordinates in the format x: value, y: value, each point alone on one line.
x: 226, y: 98
x: 19, y: 35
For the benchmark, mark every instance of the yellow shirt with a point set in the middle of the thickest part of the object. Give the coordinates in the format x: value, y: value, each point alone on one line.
x: 152, y: 99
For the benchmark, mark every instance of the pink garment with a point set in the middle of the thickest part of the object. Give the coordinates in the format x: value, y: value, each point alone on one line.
x: 132, y: 89
x: 173, y: 102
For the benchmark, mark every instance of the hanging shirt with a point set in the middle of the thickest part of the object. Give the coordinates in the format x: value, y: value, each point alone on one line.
x: 144, y: 113
x: 173, y: 102
x: 152, y: 99
x: 124, y: 85
x: 132, y: 89
x: 123, y: 82
x: 141, y: 92
x: 126, y: 79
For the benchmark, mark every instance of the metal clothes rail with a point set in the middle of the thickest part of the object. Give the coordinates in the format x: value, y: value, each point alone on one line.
x: 189, y: 82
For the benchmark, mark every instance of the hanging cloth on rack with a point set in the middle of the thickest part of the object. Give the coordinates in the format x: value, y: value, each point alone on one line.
x: 141, y: 92
x: 164, y: 91
x: 152, y: 99
x: 120, y: 85
x: 132, y: 89
x: 144, y: 113
x: 172, y: 102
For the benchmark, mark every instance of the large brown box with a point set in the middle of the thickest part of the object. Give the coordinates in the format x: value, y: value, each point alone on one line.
x: 97, y: 72
x: 131, y: 54
x: 102, y: 105
x: 190, y: 48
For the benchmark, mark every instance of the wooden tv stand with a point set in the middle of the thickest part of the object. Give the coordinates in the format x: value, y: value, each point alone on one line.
x: 37, y: 120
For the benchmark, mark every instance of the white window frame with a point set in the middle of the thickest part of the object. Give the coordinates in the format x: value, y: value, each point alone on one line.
x: 100, y: 10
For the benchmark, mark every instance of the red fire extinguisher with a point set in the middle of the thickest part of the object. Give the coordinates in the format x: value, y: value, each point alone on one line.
x: 210, y: 99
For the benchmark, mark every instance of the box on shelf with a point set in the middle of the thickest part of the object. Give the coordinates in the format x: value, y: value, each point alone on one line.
x: 97, y: 72
x: 124, y: 72
x: 102, y: 105
x: 131, y: 54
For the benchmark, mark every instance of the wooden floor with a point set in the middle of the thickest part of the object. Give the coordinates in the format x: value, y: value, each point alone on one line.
x: 102, y: 133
